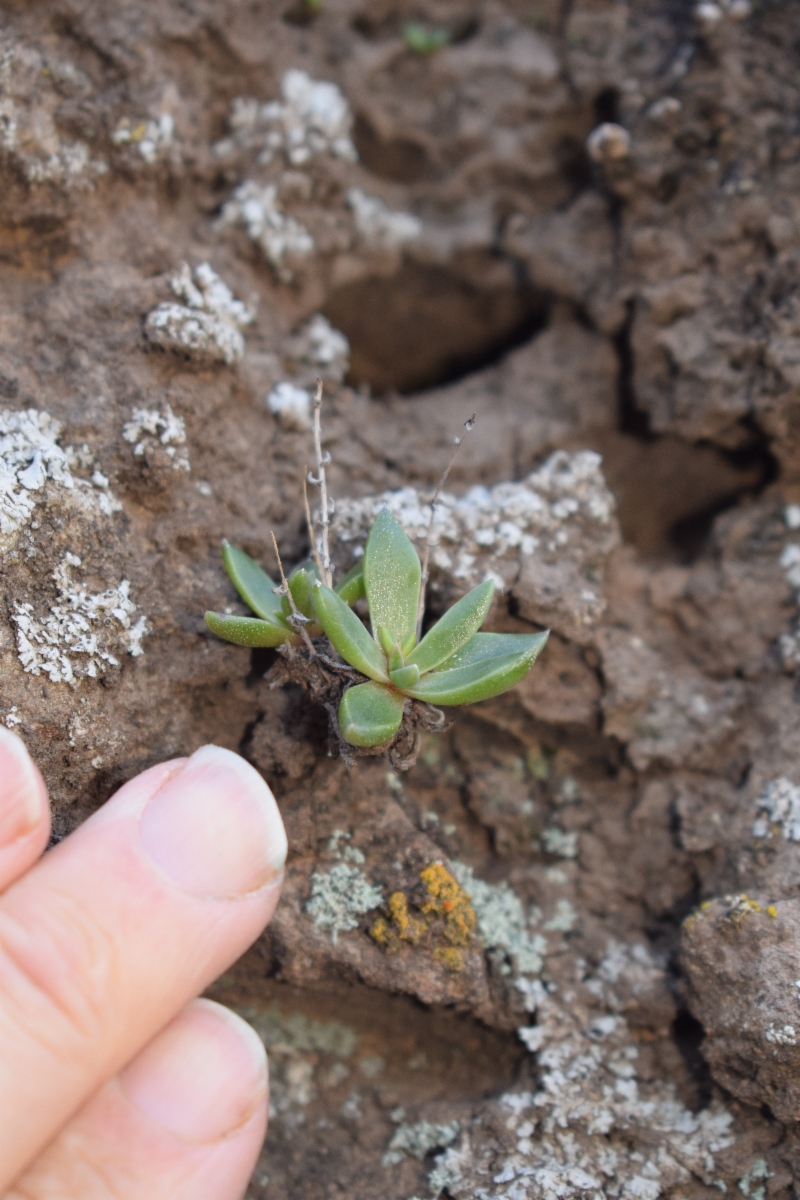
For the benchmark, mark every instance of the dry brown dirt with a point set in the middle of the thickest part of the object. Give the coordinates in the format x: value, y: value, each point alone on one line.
x: 579, y: 220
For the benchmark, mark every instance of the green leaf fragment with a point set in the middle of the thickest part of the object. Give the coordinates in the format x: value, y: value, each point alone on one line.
x: 351, y: 588
x: 483, y: 646
x: 454, y: 629
x: 405, y: 677
x: 249, y: 631
x: 478, y: 681
x: 370, y: 714
x: 347, y: 635
x: 392, y: 574
x: 253, y: 585
x: 301, y: 585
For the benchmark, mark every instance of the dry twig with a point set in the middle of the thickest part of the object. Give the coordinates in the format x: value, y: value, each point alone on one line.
x: 322, y: 483
x: 297, y: 619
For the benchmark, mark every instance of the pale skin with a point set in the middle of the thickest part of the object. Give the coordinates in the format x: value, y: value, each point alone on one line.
x: 116, y: 1083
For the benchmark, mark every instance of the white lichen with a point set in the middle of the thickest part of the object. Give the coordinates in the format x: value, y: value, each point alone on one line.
x: 282, y: 239
x: 81, y: 635
x: 311, y: 118
x: 561, y: 518
x: 780, y: 800
x: 291, y: 405
x: 502, y: 923
x: 790, y: 561
x: 786, y: 1035
x: 323, y: 346
x: 339, y: 897
x: 32, y: 91
x: 378, y: 225
x: 208, y: 325
x: 417, y: 1141
x: 153, y: 138
x: 148, y: 425
x: 30, y: 457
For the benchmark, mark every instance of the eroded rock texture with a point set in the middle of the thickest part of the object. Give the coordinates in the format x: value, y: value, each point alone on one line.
x: 581, y: 222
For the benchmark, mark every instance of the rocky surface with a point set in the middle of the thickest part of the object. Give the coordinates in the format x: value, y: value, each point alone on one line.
x: 581, y: 223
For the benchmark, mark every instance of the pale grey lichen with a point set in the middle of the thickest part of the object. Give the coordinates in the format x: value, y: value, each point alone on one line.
x: 591, y: 1126
x: 378, y: 225
x: 780, y: 801
x: 81, y: 635
x: 312, y: 117
x: 560, y: 842
x: 339, y: 897
x: 752, y: 1183
x: 291, y: 405
x: 417, y: 1141
x: 207, y: 326
x: 301, y: 1033
x: 148, y: 425
x: 502, y: 922
x: 282, y: 239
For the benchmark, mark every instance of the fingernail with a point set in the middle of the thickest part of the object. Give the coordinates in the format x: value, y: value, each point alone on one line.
x: 202, y: 1077
x: 23, y: 799
x: 214, y: 827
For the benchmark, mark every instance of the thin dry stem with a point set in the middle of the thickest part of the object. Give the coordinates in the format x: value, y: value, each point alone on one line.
x: 322, y: 482
x: 310, y: 525
x: 299, y: 620
x: 426, y: 556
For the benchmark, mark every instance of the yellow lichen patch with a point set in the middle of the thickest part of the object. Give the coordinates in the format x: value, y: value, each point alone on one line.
x: 741, y: 906
x: 409, y: 929
x: 448, y: 900
x: 772, y: 911
x: 452, y: 958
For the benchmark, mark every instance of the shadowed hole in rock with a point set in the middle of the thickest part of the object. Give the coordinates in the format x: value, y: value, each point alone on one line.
x: 399, y: 159
x: 429, y: 325
x: 669, y: 491
x: 688, y: 1035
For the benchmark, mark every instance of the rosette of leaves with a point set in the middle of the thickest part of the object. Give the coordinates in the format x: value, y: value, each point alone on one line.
x: 275, y: 621
x: 452, y: 664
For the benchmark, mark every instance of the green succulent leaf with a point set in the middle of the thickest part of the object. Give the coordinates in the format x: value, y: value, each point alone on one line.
x: 391, y: 578
x: 478, y: 681
x: 370, y: 714
x: 249, y: 631
x: 301, y: 584
x: 347, y: 635
x: 351, y: 588
x: 454, y: 629
x: 405, y: 677
x: 483, y: 646
x: 253, y: 585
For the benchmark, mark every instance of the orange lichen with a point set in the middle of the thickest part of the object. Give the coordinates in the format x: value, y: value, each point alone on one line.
x: 448, y: 900
x: 447, y: 916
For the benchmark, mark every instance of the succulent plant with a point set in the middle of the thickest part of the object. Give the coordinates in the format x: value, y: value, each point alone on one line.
x: 452, y: 664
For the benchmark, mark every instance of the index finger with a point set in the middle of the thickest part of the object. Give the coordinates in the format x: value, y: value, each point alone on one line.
x: 123, y: 923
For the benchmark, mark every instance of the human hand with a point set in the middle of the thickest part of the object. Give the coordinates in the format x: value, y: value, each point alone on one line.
x: 114, y: 1081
